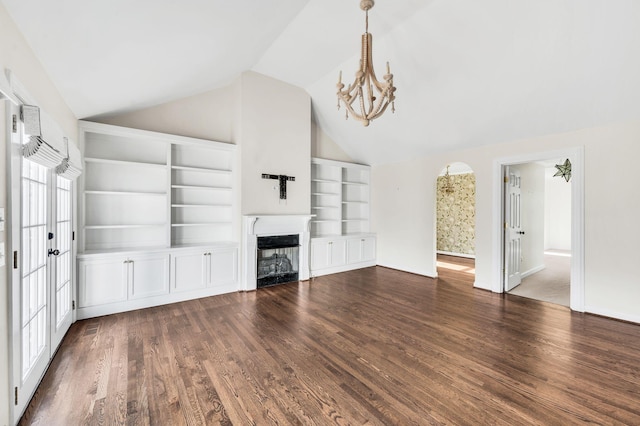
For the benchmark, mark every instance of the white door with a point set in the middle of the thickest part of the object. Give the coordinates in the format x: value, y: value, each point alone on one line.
x: 62, y: 261
x: 513, y: 229
x: 41, y: 270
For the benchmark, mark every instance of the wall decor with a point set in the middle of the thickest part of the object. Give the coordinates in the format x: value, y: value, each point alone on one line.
x: 282, y: 182
x: 564, y: 170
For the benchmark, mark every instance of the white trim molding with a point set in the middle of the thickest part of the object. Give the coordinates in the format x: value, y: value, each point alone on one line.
x: 576, y: 155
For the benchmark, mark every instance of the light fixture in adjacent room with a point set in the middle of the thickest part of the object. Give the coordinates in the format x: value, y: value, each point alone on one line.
x: 370, y: 96
x: 564, y: 170
x: 447, y: 185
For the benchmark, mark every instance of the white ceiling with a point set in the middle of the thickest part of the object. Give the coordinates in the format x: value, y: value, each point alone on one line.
x: 468, y: 72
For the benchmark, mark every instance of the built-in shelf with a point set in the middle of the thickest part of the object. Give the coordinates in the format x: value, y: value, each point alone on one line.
x: 202, y: 169
x: 178, y: 225
x: 148, y: 189
x: 163, y: 194
x: 123, y: 226
x: 122, y: 162
x: 184, y: 206
x: 341, y: 198
x: 216, y: 188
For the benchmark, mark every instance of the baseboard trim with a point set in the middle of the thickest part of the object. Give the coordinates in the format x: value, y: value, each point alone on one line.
x: 612, y: 314
x: 448, y: 253
x: 532, y: 271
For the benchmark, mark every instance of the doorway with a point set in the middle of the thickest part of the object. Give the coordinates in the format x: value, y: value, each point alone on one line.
x: 41, y: 239
x: 538, y: 232
x: 455, y: 218
x: 576, y: 156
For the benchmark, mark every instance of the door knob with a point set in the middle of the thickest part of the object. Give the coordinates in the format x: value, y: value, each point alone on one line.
x: 521, y: 232
x: 53, y: 252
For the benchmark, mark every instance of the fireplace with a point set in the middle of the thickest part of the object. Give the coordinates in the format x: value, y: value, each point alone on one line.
x: 277, y: 260
x: 263, y: 258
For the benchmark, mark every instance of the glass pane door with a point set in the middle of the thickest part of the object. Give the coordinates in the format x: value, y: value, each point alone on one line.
x: 34, y: 284
x: 61, y: 274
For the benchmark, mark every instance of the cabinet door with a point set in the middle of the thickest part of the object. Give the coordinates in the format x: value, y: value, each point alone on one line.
x: 368, y: 248
x: 338, y: 252
x: 354, y: 250
x: 361, y: 249
x: 223, y: 268
x: 102, y: 281
x: 189, y: 270
x: 148, y: 276
x: 320, y: 254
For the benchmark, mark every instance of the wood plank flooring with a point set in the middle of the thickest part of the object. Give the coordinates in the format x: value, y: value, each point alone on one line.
x: 374, y: 346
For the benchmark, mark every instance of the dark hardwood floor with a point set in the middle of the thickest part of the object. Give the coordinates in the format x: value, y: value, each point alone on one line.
x: 374, y: 346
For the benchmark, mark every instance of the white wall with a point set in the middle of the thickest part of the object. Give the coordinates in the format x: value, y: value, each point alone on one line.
x: 406, y: 239
x: 532, y: 191
x: 205, y: 116
x: 322, y: 146
x: 275, y: 139
x: 557, y: 215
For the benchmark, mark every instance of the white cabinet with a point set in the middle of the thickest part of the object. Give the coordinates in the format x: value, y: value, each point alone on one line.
x: 188, y: 270
x: 208, y: 267
x: 361, y: 249
x: 101, y: 281
x: 223, y: 270
x: 342, y: 253
x: 157, y: 219
x: 148, y: 275
x: 328, y: 253
x: 340, y: 237
x: 113, y: 279
x: 118, y: 282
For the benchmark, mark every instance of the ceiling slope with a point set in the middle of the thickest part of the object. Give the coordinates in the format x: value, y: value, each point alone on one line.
x: 468, y: 72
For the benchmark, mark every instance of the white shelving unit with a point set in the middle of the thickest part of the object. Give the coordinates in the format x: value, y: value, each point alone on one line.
x: 340, y: 235
x: 145, y: 193
x: 202, y: 195
x: 340, y: 198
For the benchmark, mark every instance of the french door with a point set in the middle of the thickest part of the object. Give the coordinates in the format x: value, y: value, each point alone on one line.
x: 41, y: 236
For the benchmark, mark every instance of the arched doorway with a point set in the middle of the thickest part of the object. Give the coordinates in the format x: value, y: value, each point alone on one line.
x: 456, y: 218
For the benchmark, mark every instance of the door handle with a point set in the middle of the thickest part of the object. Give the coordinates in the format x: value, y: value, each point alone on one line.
x: 53, y: 252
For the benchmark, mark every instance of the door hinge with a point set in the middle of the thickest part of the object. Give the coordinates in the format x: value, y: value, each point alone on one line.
x: 16, y: 398
x: 73, y: 235
x: 14, y: 127
x: 73, y: 305
x: 15, y: 259
x: 506, y: 179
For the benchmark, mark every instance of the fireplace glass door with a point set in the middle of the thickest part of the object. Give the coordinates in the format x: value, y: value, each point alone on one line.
x: 278, y: 259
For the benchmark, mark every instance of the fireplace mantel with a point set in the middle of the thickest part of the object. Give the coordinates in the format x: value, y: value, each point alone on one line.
x: 263, y: 225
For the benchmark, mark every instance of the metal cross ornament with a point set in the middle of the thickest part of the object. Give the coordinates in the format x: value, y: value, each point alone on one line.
x: 564, y: 170
x: 282, y: 181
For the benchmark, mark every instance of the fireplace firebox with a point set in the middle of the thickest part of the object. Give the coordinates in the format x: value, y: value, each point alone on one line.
x: 277, y: 259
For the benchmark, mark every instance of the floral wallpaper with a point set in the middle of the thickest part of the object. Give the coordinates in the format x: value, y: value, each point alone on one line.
x: 456, y: 215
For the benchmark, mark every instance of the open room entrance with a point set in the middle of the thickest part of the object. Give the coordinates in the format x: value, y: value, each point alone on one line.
x: 538, y: 231
x: 541, y: 229
x: 456, y: 218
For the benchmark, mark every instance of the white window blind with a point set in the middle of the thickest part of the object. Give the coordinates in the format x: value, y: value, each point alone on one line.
x: 46, y: 144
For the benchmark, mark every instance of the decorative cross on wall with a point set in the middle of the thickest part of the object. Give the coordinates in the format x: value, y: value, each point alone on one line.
x: 282, y: 180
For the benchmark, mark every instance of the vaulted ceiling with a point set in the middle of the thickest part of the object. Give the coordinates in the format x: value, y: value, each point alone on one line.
x: 468, y: 72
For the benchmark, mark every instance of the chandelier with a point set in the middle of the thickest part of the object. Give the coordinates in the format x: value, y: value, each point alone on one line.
x: 367, y: 98
x: 447, y: 185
